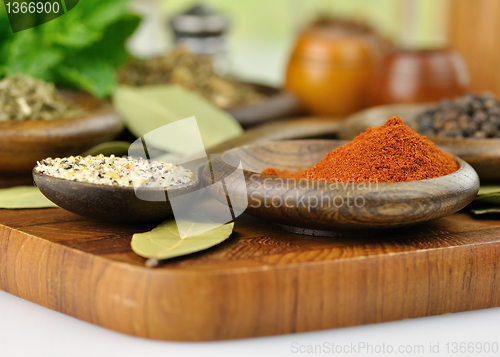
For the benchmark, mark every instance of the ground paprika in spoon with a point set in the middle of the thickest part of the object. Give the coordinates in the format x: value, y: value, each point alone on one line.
x: 389, y: 153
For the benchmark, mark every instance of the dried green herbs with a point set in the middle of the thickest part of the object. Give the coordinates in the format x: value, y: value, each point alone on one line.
x: 191, y: 71
x: 26, y: 98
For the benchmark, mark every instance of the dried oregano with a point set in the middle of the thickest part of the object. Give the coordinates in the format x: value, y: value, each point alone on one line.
x: 26, y: 98
x: 190, y: 71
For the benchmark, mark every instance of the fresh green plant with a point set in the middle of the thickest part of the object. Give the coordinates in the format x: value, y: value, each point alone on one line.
x: 81, y: 49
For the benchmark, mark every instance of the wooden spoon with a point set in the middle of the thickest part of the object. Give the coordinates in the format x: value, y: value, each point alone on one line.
x: 313, y: 207
x: 110, y: 203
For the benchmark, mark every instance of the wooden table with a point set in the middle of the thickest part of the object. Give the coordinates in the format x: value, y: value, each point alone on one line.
x: 261, y: 281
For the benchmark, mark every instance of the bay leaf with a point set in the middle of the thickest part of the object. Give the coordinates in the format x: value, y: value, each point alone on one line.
x: 488, y: 190
x: 492, y: 198
x: 164, y: 241
x: 117, y: 148
x: 147, y: 108
x: 485, y: 210
x: 22, y: 197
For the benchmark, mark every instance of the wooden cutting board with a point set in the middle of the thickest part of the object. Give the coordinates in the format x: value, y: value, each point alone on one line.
x: 260, y: 282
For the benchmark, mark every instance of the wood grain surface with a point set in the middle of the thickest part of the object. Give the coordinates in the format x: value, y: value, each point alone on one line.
x: 261, y: 281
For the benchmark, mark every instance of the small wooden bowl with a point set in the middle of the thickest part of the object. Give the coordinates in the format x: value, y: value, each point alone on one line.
x: 296, y: 203
x: 114, y: 204
x: 22, y: 144
x: 482, y: 154
x: 416, y: 76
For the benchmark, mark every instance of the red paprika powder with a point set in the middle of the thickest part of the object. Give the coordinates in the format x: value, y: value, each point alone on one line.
x: 389, y: 153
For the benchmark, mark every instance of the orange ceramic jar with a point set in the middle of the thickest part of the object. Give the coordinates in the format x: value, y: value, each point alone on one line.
x: 330, y: 70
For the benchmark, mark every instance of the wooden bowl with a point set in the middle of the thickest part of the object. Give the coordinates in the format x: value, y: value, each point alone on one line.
x: 22, y: 144
x: 482, y: 154
x: 296, y: 203
x: 415, y: 76
x: 109, y: 203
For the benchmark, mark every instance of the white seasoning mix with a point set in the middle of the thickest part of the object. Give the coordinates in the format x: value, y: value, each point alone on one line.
x: 116, y: 171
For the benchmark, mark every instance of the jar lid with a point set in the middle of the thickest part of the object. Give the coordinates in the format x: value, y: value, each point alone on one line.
x: 199, y: 21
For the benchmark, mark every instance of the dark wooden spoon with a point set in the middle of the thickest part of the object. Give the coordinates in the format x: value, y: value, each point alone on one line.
x: 313, y: 207
x: 110, y: 203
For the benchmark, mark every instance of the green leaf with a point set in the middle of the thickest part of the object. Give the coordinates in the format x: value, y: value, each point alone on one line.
x: 22, y: 58
x: 492, y: 198
x: 77, y: 35
x: 96, y: 77
x: 485, y: 210
x: 117, y: 148
x: 164, y: 241
x: 22, y: 197
x: 110, y: 47
x: 488, y: 190
x: 81, y: 49
x: 145, y: 109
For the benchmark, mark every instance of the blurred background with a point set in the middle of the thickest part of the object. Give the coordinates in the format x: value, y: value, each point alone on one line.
x: 262, y: 32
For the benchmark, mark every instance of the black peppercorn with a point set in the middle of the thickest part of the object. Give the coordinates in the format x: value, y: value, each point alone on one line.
x: 469, y: 116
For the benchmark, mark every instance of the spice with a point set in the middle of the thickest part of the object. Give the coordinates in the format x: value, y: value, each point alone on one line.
x: 470, y: 116
x: 26, y: 98
x: 191, y: 71
x: 114, y: 171
x: 390, y: 153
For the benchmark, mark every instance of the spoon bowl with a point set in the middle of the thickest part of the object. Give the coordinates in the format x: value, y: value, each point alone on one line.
x: 115, y: 204
x: 316, y: 207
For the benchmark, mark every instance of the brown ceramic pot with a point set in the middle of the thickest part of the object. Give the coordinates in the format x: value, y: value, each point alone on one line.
x: 415, y: 76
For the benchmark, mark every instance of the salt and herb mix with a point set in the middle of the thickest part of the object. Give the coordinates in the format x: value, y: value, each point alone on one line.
x: 25, y: 98
x: 116, y: 171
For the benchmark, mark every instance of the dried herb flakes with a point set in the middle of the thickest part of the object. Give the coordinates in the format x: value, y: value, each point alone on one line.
x: 25, y: 98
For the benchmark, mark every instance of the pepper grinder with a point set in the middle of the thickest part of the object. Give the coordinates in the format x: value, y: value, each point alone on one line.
x: 203, y: 31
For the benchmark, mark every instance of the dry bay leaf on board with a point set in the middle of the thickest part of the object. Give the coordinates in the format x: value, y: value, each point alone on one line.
x: 22, y: 197
x: 485, y: 210
x: 485, y: 190
x: 164, y: 242
x: 490, y: 196
x: 145, y: 109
